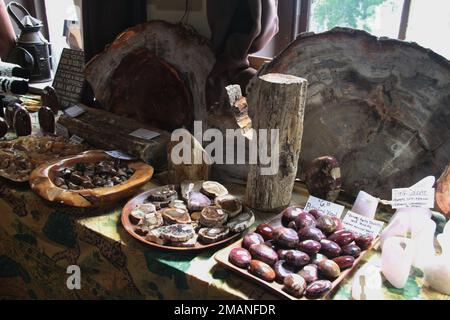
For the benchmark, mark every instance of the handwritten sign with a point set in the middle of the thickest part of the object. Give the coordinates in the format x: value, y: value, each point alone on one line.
x: 69, y: 77
x: 61, y: 130
x: 361, y: 225
x: 144, y: 134
x: 330, y: 208
x: 74, y: 111
x: 413, y: 198
x: 76, y: 139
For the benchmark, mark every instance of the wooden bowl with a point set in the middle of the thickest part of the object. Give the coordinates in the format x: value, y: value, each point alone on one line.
x: 130, y: 228
x: 41, y: 181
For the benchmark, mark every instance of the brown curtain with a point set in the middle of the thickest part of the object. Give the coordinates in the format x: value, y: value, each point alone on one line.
x: 103, y: 21
x: 239, y: 28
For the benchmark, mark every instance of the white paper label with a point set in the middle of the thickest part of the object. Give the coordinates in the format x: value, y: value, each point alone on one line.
x: 76, y: 139
x: 119, y: 155
x: 61, y: 130
x: 361, y: 225
x: 74, y: 111
x: 330, y: 208
x: 413, y: 198
x: 144, y: 134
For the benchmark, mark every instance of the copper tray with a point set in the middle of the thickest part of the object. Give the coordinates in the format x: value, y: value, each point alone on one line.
x: 276, y: 288
x: 129, y: 227
x: 41, y: 182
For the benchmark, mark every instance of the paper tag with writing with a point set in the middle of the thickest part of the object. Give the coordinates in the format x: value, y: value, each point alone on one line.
x: 413, y: 198
x: 74, y: 111
x: 144, y: 134
x: 61, y: 130
x: 330, y: 208
x: 119, y: 155
x: 76, y: 139
x: 362, y: 225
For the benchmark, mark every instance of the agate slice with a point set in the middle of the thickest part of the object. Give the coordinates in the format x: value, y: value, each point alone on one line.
x: 178, y: 232
x: 150, y: 221
x: 155, y: 236
x: 197, y: 201
x: 213, y: 189
x: 241, y: 222
x: 162, y: 194
x: 230, y: 204
x: 138, y: 213
x: 211, y: 235
x: 186, y: 244
x: 174, y: 216
x: 213, y: 217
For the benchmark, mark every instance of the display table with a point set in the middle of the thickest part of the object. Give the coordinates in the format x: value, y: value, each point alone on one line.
x: 38, y: 241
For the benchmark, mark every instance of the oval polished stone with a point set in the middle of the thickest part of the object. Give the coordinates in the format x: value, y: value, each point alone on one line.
x: 285, y: 237
x: 262, y: 270
x: 330, y: 248
x: 326, y: 224
x: 329, y: 269
x: 282, y: 253
x: 240, y: 257
x: 297, y: 258
x: 315, y: 259
x: 309, y: 273
x: 271, y: 244
x: 263, y: 253
x: 339, y: 225
x: 351, y: 250
x: 22, y: 122
x: 3, y: 128
x: 309, y: 246
x: 318, y: 289
x: 342, y: 237
x: 317, y: 213
x: 311, y: 233
x: 251, y: 238
x: 304, y: 219
x: 344, y: 262
x: 364, y: 242
x: 295, y: 285
x: 282, y: 269
x: 289, y: 214
x: 265, y: 231
x: 46, y: 119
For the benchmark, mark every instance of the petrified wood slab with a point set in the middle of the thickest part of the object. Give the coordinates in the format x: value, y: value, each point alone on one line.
x: 154, y: 72
x: 380, y: 106
x: 102, y: 129
x: 41, y: 182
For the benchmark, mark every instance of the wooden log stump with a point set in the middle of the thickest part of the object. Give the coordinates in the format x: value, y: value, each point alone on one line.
x: 276, y: 101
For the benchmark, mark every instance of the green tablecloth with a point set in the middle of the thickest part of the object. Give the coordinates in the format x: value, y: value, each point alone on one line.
x: 38, y: 241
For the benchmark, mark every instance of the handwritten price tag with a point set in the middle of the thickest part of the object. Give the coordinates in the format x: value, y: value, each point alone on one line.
x: 61, y: 131
x: 74, y: 111
x: 144, y: 134
x: 361, y: 225
x: 76, y: 139
x: 413, y: 198
x: 330, y: 208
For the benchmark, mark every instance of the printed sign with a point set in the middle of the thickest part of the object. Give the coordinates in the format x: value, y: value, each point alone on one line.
x: 144, y: 134
x: 74, y: 111
x: 119, y: 155
x: 413, y: 198
x: 61, y: 131
x: 361, y: 225
x: 76, y: 139
x: 330, y: 208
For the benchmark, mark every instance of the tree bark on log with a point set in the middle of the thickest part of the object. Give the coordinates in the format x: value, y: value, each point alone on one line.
x: 276, y: 101
x: 379, y: 105
x: 102, y: 129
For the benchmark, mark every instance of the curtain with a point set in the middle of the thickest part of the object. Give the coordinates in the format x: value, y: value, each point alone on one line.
x: 103, y: 21
x: 238, y: 28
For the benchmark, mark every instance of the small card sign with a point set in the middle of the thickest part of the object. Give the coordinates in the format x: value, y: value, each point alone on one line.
x: 74, y: 111
x: 76, y: 139
x: 330, y: 208
x: 413, y: 198
x: 61, y: 131
x: 119, y: 155
x: 144, y: 134
x: 361, y: 225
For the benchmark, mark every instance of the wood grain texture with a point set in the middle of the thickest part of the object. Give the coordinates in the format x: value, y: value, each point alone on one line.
x: 443, y: 192
x: 155, y: 72
x: 380, y: 106
x: 276, y: 102
x: 41, y: 182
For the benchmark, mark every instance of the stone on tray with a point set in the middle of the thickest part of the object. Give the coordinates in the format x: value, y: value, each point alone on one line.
x: 263, y: 253
x: 211, y: 235
x: 179, y: 204
x: 138, y: 213
x: 213, y: 217
x: 290, y: 214
x: 329, y: 269
x: 344, y: 262
x: 295, y: 285
x: 327, y: 224
x: 330, y: 248
x: 163, y: 194
x: 318, y: 289
x: 285, y: 237
x: 240, y: 257
x: 262, y: 270
x: 309, y: 246
x: 197, y: 201
x: 155, y: 236
x: 230, y: 204
x: 149, y: 222
x: 241, y: 222
x: 265, y: 231
x: 178, y: 232
x: 309, y: 273
x: 282, y: 270
x: 342, y: 237
x: 186, y: 244
x: 250, y: 239
x: 213, y: 189
x: 311, y: 233
x: 174, y: 215
x: 297, y: 258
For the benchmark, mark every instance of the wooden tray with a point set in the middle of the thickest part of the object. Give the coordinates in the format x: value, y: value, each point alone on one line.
x: 276, y: 288
x: 129, y: 227
x: 41, y: 182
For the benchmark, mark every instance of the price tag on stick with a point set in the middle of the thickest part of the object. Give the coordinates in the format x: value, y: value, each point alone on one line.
x: 413, y: 198
x: 361, y: 225
x: 330, y: 208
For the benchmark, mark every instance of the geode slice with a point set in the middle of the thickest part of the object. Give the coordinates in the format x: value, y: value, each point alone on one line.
x: 155, y: 236
x: 178, y: 232
x: 149, y: 222
x: 197, y: 201
x: 213, y: 189
x: 174, y: 216
x: 211, y: 235
x: 138, y: 213
x: 186, y: 244
x: 213, y: 217
x: 230, y: 204
x: 163, y: 194
x: 241, y: 222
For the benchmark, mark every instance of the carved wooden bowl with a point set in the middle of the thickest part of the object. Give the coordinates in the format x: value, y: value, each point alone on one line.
x: 41, y: 181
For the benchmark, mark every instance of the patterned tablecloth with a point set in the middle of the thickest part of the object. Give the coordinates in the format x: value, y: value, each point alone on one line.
x: 39, y: 240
